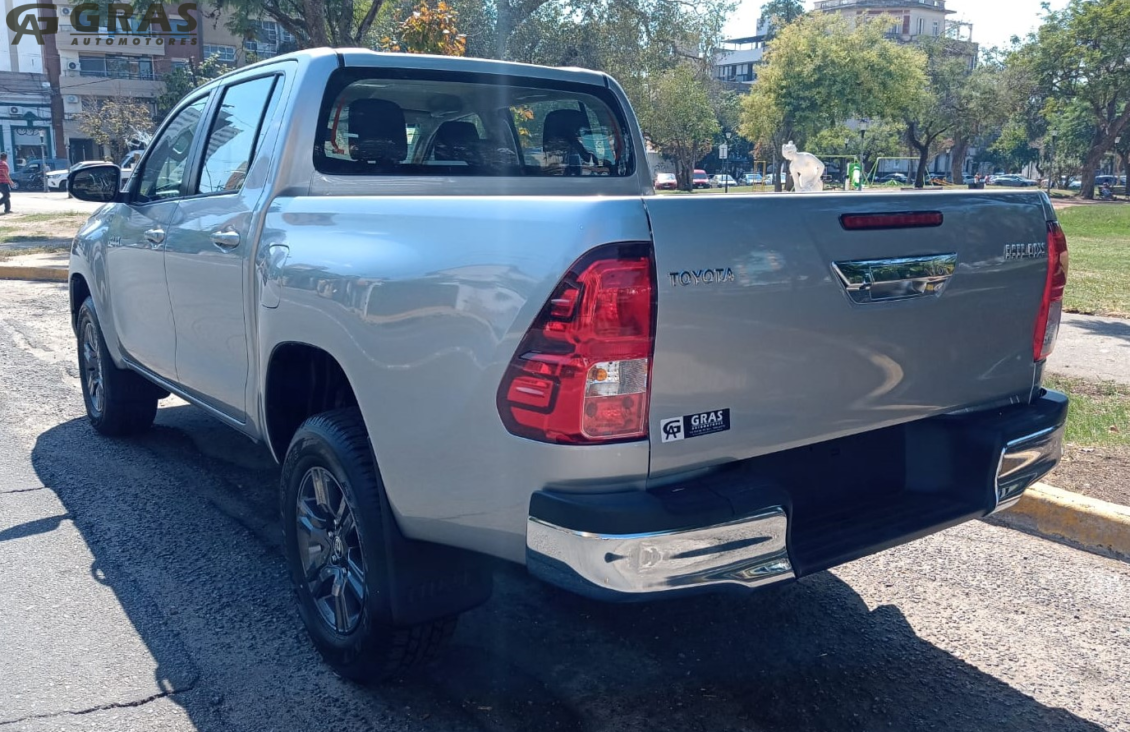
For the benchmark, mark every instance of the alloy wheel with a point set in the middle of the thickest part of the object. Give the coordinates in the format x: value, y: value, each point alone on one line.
x: 92, y: 368
x: 329, y: 549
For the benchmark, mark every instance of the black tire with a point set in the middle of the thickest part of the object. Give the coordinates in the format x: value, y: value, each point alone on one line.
x: 119, y: 402
x: 367, y: 648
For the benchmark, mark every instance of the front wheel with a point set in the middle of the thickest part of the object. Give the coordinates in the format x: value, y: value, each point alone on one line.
x: 118, y: 401
x: 334, y: 544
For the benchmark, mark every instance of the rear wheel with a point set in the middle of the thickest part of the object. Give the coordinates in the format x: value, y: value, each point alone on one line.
x: 334, y: 541
x: 118, y: 401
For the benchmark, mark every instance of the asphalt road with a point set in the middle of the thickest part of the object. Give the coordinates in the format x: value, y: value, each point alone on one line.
x: 1092, y: 347
x: 141, y: 588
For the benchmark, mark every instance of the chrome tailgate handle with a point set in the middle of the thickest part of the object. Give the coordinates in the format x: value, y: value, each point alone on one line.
x: 226, y: 239
x: 897, y: 278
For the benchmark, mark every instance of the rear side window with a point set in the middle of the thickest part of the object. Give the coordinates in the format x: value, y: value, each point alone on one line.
x: 235, y: 134
x: 397, y: 122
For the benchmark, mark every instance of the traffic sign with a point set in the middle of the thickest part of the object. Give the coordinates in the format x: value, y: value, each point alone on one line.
x: 723, y: 151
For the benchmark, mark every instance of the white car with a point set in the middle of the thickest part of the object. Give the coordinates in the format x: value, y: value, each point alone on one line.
x: 721, y: 181
x: 57, y: 180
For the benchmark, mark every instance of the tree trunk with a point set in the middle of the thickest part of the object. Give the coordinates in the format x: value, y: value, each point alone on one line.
x: 316, y: 25
x: 957, y: 160
x: 1126, y: 172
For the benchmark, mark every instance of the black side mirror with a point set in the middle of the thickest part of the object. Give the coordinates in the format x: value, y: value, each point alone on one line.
x: 98, y: 183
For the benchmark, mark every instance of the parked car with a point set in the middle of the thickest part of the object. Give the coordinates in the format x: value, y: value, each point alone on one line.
x: 666, y: 182
x: 57, y: 180
x: 751, y: 179
x: 1012, y: 180
x: 444, y: 391
x: 700, y: 179
x: 891, y: 178
x: 721, y: 181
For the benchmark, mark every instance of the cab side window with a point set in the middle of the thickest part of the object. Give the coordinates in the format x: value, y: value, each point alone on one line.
x: 236, y: 134
x: 165, y: 170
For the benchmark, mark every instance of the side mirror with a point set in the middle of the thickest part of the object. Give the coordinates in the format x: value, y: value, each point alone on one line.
x: 97, y: 183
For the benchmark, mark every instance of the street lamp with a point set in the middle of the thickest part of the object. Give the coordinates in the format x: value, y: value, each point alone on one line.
x: 726, y: 180
x: 864, y: 125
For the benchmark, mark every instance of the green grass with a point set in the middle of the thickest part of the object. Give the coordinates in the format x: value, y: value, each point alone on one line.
x: 49, y: 218
x: 10, y: 253
x: 1098, y: 239
x: 1100, y: 411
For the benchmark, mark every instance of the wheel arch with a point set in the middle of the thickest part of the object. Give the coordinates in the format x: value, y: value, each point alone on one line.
x: 301, y: 380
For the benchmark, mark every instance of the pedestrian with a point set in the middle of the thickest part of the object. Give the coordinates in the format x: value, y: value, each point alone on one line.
x: 5, y: 183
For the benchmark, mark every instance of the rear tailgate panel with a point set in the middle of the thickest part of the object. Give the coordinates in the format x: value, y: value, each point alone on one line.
x: 794, y: 359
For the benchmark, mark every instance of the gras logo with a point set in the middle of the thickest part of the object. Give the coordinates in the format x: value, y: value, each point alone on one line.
x: 92, y: 20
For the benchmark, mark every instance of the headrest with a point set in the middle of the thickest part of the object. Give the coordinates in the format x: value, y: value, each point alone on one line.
x: 563, y: 127
x: 377, y: 131
x: 457, y: 141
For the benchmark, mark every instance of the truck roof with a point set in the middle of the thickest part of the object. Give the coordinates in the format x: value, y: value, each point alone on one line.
x: 365, y: 58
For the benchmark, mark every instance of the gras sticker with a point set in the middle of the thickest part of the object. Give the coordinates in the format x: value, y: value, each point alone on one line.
x: 695, y: 425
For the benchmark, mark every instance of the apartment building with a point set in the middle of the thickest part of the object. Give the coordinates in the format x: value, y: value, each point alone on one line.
x: 911, y: 21
x: 25, y: 95
x: 99, y: 61
x: 264, y: 39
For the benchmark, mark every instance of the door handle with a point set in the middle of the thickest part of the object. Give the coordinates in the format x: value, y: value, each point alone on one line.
x: 226, y: 239
x: 155, y: 237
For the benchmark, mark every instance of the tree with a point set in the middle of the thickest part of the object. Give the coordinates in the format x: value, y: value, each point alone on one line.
x: 313, y: 23
x: 183, y: 79
x: 1081, y: 55
x: 941, y: 107
x: 779, y: 13
x: 116, y: 123
x: 429, y: 31
x: 820, y: 73
x: 679, y: 119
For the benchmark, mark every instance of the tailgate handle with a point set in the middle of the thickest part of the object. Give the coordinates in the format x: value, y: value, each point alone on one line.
x: 899, y: 278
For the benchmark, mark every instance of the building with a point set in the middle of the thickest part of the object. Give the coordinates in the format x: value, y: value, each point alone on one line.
x: 737, y: 60
x: 25, y: 96
x: 101, y: 61
x: 267, y: 39
x: 911, y: 21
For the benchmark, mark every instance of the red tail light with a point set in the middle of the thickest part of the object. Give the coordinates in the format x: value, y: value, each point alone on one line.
x: 581, y: 373
x: 1051, y: 307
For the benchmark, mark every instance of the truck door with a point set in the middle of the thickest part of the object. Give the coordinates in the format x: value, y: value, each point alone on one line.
x: 135, y: 256
x: 210, y: 242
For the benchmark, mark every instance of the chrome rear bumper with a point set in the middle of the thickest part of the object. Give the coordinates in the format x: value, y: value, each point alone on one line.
x: 1024, y: 461
x: 750, y: 552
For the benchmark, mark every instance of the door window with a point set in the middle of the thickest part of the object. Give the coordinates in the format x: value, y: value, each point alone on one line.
x: 236, y: 134
x: 164, y: 170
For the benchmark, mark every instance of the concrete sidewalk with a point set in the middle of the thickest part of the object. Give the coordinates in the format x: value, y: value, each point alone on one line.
x: 1092, y: 347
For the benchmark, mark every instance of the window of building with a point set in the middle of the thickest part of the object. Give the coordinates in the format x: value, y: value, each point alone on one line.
x: 935, y: 28
x: 226, y: 54
x: 921, y: 26
x: 116, y: 67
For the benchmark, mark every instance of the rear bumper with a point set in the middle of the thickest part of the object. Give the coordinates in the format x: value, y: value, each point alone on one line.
x: 748, y: 525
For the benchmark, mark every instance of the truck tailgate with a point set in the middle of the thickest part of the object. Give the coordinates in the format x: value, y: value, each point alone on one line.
x: 760, y: 346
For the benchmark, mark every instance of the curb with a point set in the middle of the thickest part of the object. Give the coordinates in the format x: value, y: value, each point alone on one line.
x: 33, y: 274
x: 1073, y: 519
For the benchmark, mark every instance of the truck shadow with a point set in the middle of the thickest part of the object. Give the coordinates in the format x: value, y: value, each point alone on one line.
x: 182, y: 523
x: 1116, y: 329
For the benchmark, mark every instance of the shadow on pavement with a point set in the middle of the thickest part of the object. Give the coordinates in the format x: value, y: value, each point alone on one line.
x: 1111, y: 329
x: 189, y: 543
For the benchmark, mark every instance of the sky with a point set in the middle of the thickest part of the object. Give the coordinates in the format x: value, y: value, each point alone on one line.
x: 994, y: 21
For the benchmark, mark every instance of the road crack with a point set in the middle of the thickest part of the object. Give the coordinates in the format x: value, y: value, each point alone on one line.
x: 102, y: 707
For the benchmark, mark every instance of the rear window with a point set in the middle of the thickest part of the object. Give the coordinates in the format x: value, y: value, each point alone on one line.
x: 387, y: 122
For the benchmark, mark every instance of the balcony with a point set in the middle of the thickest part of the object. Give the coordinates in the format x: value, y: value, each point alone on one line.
x: 110, y: 83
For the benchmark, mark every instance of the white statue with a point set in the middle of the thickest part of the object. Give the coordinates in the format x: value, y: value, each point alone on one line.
x: 807, y: 169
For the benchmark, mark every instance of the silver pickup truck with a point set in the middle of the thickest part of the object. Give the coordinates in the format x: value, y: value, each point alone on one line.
x: 445, y: 296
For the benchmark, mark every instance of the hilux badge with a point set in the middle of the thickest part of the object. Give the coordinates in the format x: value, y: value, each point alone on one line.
x: 1031, y: 250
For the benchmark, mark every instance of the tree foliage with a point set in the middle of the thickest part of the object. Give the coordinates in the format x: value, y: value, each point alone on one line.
x: 115, y: 122
x: 941, y: 106
x: 779, y: 13
x: 679, y: 119
x: 429, y: 31
x: 820, y: 72
x: 313, y: 23
x: 183, y: 79
x: 1081, y: 57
